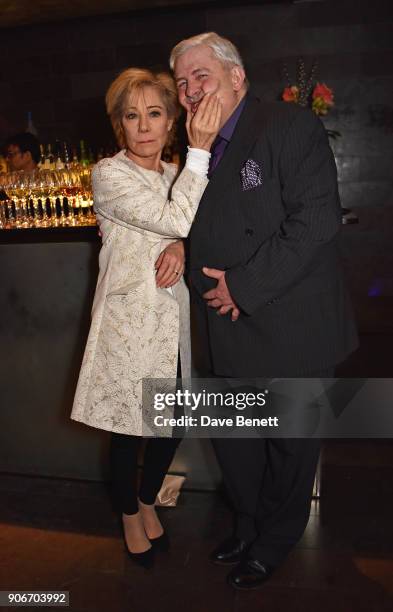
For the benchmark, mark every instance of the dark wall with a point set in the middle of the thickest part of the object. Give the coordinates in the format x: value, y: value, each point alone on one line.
x: 61, y: 71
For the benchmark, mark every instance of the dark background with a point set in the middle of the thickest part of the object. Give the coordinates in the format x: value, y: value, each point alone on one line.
x: 60, y: 71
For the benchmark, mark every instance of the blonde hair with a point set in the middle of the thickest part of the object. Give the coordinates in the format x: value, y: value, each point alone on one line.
x: 222, y: 48
x: 135, y: 80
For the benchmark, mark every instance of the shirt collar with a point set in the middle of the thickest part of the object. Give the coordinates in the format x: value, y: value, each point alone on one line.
x: 228, y: 128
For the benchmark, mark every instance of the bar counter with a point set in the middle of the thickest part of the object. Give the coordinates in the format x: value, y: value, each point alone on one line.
x: 42, y: 235
x: 47, y: 288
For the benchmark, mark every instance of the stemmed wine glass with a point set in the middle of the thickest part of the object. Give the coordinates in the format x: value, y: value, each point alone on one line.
x: 33, y: 188
x: 8, y: 208
x: 87, y: 196
x: 39, y: 189
x: 72, y: 189
x: 50, y: 185
x: 3, y: 218
x: 15, y: 189
x: 22, y: 181
x: 62, y: 186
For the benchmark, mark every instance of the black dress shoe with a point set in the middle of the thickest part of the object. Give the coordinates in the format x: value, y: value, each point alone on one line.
x: 229, y: 552
x: 144, y: 559
x: 249, y: 574
x: 161, y: 543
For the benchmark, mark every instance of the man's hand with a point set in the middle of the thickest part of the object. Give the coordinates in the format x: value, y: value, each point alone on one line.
x: 220, y: 297
x: 170, y: 265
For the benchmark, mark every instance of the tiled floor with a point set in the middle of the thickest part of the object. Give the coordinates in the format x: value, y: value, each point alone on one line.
x: 63, y: 535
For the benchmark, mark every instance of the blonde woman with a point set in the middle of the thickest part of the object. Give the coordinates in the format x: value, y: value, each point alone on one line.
x: 140, y: 318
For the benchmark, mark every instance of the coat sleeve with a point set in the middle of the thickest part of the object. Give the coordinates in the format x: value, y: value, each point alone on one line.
x: 122, y: 197
x: 310, y: 197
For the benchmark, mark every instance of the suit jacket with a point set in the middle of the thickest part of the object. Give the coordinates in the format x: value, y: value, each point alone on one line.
x: 137, y: 329
x: 278, y: 243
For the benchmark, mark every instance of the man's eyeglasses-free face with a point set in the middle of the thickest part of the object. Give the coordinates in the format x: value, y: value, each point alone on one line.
x: 11, y: 154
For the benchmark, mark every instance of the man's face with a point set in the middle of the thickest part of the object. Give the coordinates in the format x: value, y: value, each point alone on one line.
x: 198, y: 71
x: 16, y: 159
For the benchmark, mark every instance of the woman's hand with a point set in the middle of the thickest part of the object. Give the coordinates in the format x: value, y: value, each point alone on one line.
x: 170, y: 265
x: 202, y: 127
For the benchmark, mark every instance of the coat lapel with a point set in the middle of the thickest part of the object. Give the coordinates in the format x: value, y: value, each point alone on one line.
x: 236, y: 153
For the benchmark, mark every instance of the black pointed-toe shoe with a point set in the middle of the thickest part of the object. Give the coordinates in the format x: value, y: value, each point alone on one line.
x: 161, y: 543
x: 143, y: 559
x: 249, y: 574
x: 229, y: 552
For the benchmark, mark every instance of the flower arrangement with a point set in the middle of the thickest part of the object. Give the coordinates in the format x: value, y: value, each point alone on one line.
x: 322, y: 99
x: 319, y: 97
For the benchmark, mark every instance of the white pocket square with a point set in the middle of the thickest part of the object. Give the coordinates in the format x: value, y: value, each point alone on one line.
x: 251, y: 175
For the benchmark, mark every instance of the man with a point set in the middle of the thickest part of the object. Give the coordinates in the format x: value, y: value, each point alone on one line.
x: 22, y: 152
x: 263, y: 256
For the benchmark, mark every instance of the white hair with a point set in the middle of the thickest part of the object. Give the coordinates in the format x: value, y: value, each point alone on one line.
x: 222, y: 48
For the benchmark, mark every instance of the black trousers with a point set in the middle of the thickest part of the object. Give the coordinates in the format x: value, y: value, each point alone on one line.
x: 124, y: 451
x: 269, y: 481
x: 158, y: 456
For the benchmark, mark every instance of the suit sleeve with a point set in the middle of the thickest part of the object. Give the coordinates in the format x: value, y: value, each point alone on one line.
x: 310, y: 197
x: 123, y: 198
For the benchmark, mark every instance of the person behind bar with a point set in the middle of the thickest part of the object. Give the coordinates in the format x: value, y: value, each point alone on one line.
x: 264, y: 257
x: 140, y: 319
x: 22, y: 152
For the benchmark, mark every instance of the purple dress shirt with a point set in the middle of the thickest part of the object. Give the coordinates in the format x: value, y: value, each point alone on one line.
x: 224, y: 136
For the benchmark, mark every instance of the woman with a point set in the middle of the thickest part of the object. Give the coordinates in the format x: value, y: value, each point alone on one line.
x: 140, y: 321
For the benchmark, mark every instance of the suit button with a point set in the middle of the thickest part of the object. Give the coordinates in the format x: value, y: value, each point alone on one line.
x: 249, y: 232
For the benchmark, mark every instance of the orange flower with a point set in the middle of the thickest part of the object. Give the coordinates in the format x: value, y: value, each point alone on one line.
x: 322, y: 91
x: 291, y: 94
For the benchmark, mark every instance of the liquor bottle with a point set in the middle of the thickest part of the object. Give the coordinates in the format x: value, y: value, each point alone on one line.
x: 75, y: 160
x: 41, y: 163
x: 92, y: 160
x: 66, y: 156
x: 84, y: 160
x: 59, y: 165
x: 30, y: 125
x: 49, y: 158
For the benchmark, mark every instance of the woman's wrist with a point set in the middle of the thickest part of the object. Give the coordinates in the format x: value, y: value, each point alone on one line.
x: 198, y: 160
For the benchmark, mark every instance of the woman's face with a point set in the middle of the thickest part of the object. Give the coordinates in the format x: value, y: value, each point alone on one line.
x: 146, y: 125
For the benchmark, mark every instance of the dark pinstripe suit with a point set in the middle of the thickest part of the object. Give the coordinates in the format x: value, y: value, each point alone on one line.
x: 278, y: 245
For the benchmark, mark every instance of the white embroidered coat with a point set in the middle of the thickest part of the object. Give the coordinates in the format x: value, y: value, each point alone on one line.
x: 137, y: 329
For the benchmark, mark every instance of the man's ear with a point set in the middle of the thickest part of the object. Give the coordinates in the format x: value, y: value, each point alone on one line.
x: 238, y: 77
x: 27, y: 155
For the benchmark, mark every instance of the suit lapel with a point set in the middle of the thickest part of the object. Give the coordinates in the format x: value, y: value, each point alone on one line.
x: 236, y: 153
